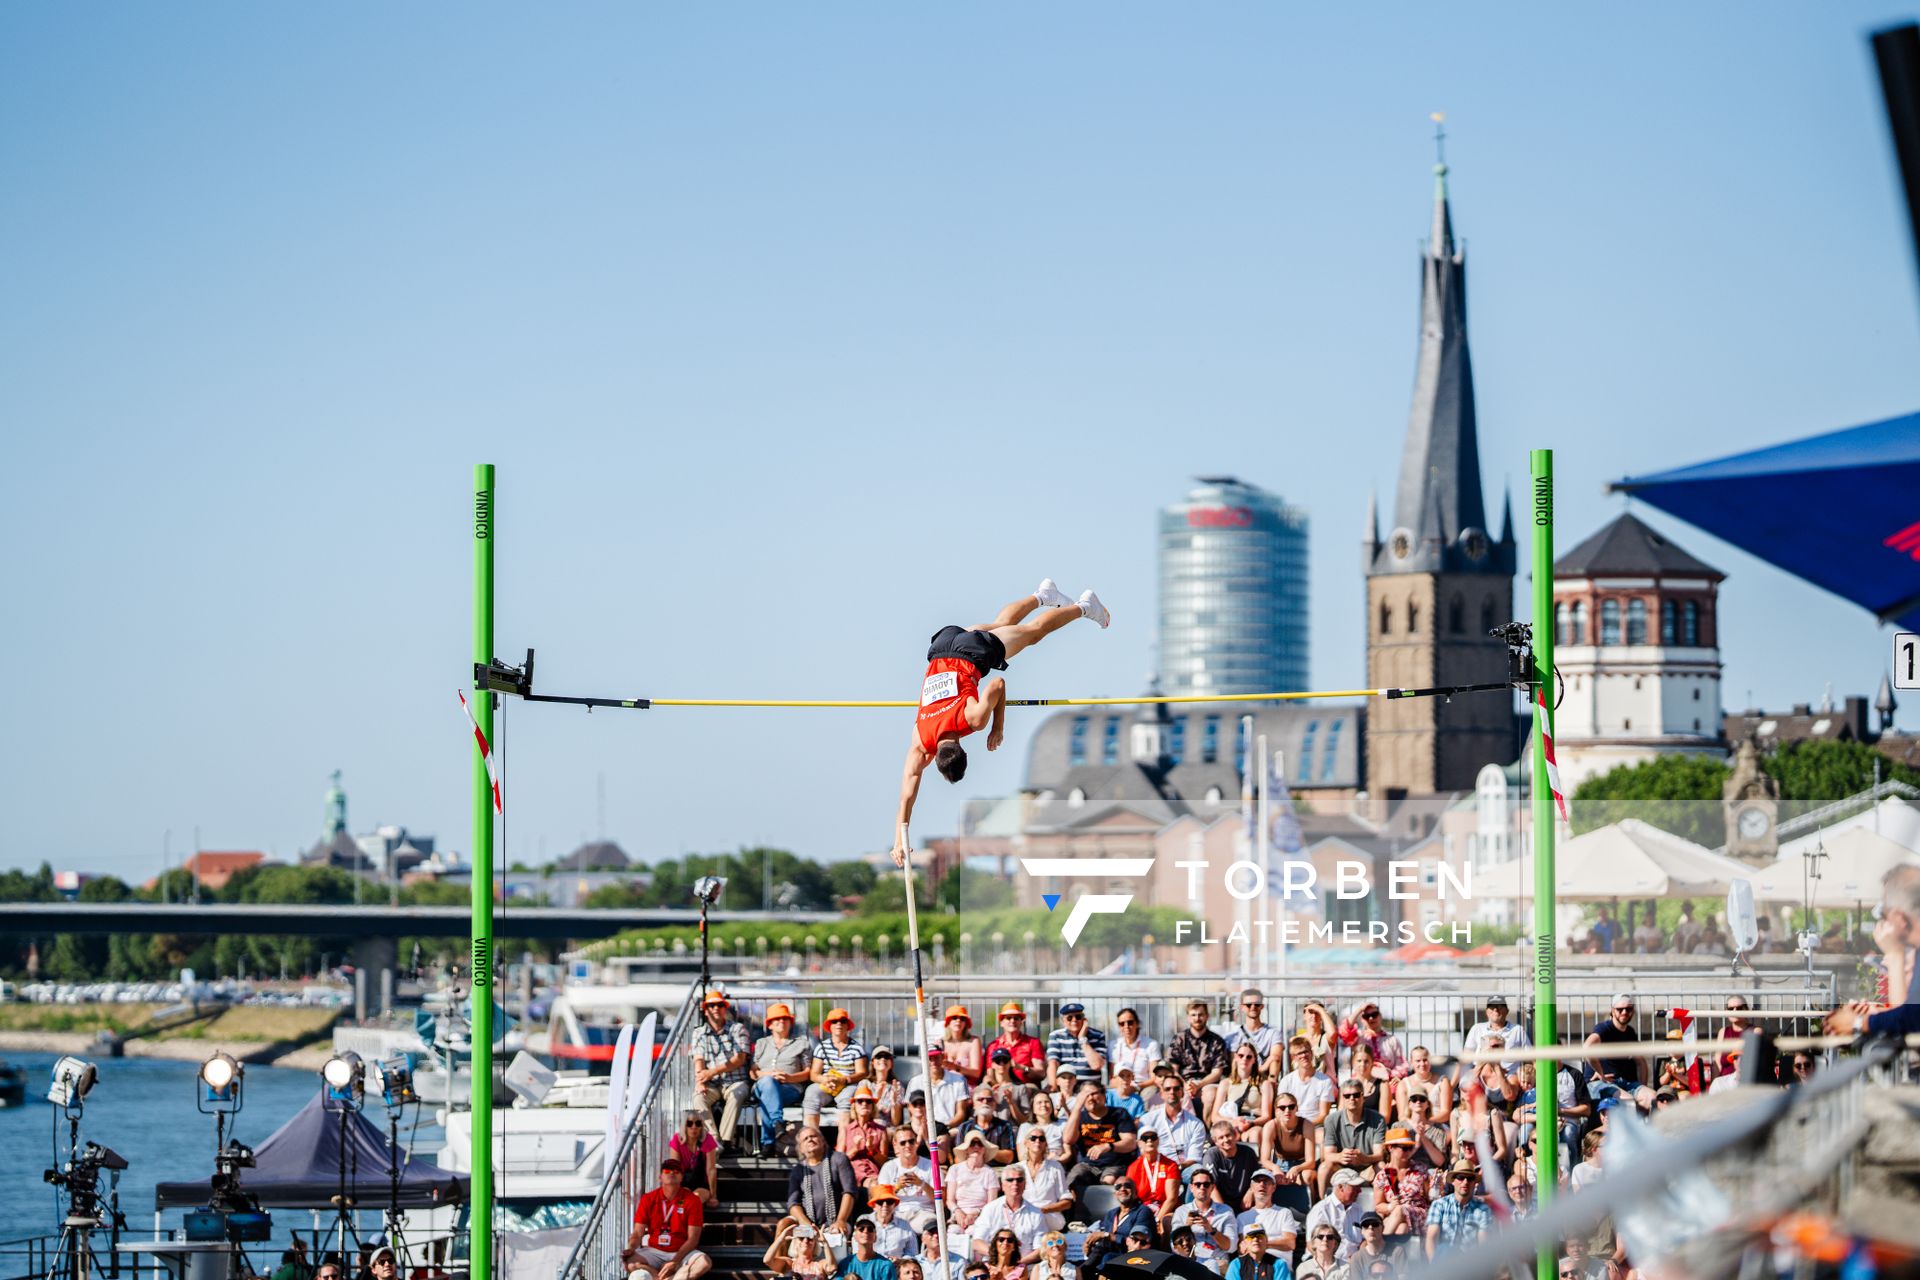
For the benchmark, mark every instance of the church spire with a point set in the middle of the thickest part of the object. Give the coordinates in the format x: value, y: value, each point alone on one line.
x: 1441, y: 243
x: 1439, y: 498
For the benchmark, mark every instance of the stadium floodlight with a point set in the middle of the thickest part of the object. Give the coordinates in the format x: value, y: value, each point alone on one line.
x: 223, y: 1076
x: 73, y: 1078
x: 345, y: 1078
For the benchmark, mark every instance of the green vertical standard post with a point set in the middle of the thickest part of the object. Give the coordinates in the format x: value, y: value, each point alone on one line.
x: 1545, y: 992
x: 480, y: 1197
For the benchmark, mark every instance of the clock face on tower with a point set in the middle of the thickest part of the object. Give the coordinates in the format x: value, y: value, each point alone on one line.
x: 1753, y: 822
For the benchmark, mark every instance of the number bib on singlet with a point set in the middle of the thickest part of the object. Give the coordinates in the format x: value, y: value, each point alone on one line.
x: 939, y: 686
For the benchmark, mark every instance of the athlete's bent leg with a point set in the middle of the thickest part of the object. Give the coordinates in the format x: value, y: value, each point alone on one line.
x: 1026, y: 634
x: 1012, y: 614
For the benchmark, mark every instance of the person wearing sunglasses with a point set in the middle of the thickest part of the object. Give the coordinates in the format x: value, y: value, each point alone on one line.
x: 863, y: 1261
x: 1733, y: 1029
x: 1133, y: 1048
x: 1322, y: 1261
x: 1003, y: 1257
x: 892, y: 1239
x: 1896, y: 931
x: 1611, y: 1075
x: 699, y: 1155
x: 1313, y: 1088
x: 1352, y: 1136
x: 1155, y: 1178
x: 1368, y: 1026
x: 1294, y: 1156
x: 1213, y: 1223
x: 797, y: 1249
x: 1010, y: 1211
x: 1118, y: 1225
x: 1498, y: 1023
x: 1461, y: 1219
x: 1268, y: 1041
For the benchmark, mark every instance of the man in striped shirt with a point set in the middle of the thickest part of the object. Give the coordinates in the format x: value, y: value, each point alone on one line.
x: 839, y: 1062
x: 1077, y: 1046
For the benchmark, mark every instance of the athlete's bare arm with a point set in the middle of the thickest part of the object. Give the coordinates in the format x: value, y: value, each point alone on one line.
x: 917, y: 762
x: 990, y: 706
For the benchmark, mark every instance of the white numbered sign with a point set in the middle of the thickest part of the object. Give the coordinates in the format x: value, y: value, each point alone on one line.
x: 1906, y: 660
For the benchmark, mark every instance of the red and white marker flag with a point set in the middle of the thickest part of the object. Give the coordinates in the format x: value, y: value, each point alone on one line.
x: 486, y: 751
x: 1541, y: 725
x: 1690, y: 1037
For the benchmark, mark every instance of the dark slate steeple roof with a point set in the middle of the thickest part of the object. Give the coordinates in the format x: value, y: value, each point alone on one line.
x: 1629, y: 547
x: 1438, y: 499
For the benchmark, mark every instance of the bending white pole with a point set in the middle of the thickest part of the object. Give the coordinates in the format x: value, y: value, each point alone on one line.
x: 920, y: 1023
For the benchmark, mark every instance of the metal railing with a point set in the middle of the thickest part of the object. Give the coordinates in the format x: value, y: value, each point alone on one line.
x: 1690, y: 1202
x: 630, y: 1169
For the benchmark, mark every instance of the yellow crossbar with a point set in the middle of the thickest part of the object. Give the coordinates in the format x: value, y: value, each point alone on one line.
x: 1025, y: 702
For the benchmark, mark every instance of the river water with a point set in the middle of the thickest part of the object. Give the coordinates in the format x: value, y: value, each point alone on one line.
x: 143, y: 1108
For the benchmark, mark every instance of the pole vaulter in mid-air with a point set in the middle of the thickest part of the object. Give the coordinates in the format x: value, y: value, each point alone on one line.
x: 954, y: 702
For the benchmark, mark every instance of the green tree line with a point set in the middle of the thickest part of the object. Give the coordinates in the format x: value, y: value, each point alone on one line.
x: 754, y: 876
x: 1681, y: 794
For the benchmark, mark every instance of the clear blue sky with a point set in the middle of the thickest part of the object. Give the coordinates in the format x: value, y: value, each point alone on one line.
x: 798, y: 331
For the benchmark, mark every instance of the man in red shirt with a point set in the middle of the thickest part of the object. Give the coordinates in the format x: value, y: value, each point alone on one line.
x: 666, y: 1229
x: 1026, y: 1054
x: 953, y: 702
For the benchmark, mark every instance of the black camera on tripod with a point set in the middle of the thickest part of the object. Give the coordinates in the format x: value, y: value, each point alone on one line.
x: 1518, y: 637
x: 231, y: 1213
x: 80, y: 1178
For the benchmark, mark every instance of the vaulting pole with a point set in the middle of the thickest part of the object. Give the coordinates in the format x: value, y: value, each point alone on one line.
x: 1545, y: 980
x: 480, y: 1197
x: 920, y: 1021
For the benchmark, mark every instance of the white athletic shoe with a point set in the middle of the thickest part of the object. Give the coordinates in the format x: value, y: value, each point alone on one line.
x: 1091, y: 607
x: 1050, y: 595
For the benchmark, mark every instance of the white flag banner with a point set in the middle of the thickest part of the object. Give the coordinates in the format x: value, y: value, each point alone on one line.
x: 1247, y: 766
x: 1289, y: 842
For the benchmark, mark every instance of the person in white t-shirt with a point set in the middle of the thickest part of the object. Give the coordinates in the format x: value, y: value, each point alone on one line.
x: 1281, y: 1225
x: 944, y: 1089
x: 910, y: 1174
x: 1496, y: 1023
x: 1268, y: 1040
x: 1132, y: 1047
x: 1310, y: 1088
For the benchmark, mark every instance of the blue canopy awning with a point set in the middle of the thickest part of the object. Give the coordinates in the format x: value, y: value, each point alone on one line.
x: 1841, y: 510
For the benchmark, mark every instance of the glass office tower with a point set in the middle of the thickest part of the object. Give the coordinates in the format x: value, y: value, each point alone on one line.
x: 1233, y: 591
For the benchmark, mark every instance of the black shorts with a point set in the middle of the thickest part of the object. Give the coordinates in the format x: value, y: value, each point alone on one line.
x: 982, y: 648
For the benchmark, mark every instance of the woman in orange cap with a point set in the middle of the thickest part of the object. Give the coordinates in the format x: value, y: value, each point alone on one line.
x: 839, y: 1062
x: 963, y: 1049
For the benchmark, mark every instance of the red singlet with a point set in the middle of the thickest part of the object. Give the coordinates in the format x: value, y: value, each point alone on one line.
x: 943, y: 701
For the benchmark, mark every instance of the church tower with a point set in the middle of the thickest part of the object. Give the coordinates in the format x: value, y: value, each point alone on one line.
x: 1440, y: 581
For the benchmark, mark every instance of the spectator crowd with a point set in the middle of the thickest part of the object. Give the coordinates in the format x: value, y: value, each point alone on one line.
x: 1321, y: 1146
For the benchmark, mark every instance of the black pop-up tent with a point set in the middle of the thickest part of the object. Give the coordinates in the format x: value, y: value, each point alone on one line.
x: 299, y: 1168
